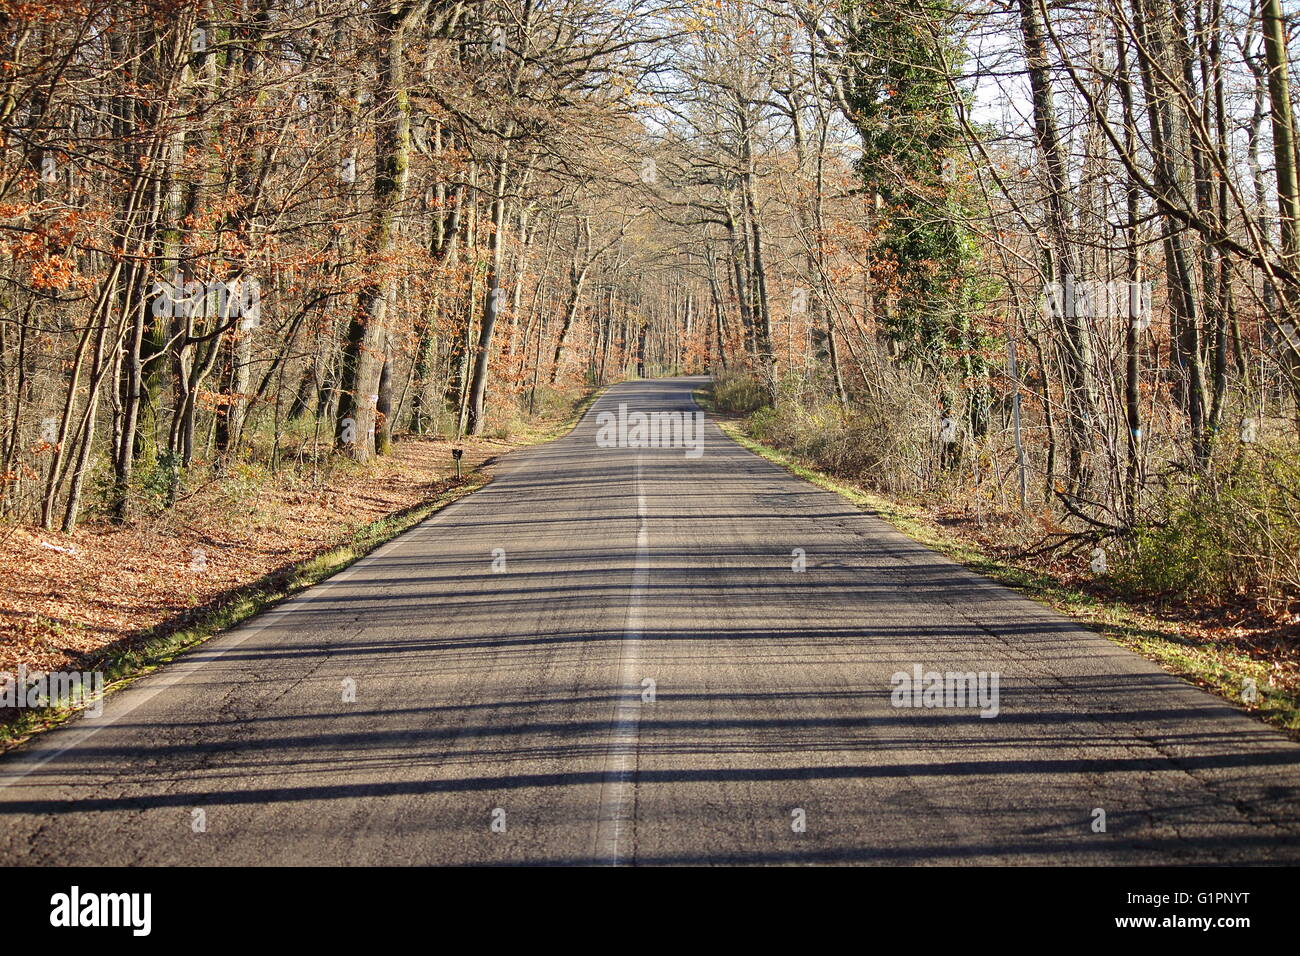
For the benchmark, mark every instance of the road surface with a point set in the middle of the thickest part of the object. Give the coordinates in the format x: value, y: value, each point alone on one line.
x: 638, y: 676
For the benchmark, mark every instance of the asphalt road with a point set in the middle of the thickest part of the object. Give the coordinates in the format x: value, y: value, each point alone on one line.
x: 503, y: 714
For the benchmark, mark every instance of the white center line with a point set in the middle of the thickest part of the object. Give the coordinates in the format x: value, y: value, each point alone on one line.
x: 617, y: 790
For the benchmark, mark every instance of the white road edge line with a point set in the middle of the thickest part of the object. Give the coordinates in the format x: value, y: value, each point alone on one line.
x: 617, y: 790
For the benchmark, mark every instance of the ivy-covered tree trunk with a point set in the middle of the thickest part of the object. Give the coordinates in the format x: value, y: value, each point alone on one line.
x: 363, y: 357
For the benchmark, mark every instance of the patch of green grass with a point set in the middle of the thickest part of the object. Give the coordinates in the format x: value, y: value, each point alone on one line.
x: 1219, y: 668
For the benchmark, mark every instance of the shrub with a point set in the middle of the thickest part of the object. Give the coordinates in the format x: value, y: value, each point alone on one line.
x: 877, y: 445
x: 1235, y: 532
x: 737, y: 392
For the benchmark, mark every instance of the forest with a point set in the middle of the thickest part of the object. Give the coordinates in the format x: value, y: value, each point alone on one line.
x: 1037, y: 261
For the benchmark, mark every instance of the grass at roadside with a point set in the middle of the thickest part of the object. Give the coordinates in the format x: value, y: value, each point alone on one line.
x: 537, y: 433
x: 1181, y: 648
x: 130, y: 658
